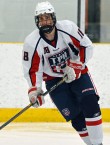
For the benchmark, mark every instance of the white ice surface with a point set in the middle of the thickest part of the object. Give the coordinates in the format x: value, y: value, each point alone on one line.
x: 13, y: 86
x: 44, y: 134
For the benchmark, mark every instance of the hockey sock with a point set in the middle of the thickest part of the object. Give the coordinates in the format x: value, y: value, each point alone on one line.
x: 94, y: 127
x: 85, y: 137
x: 79, y: 124
x: 93, y: 118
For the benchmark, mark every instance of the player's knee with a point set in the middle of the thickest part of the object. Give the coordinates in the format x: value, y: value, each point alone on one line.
x: 90, y: 106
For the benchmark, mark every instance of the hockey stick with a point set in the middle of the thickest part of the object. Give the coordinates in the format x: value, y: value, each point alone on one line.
x: 28, y: 106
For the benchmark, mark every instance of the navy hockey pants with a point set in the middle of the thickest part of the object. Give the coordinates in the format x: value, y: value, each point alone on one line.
x: 68, y: 96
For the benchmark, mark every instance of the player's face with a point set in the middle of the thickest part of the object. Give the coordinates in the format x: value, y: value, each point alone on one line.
x: 45, y: 19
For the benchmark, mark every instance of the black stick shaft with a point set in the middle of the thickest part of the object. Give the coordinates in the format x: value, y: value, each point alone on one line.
x: 15, y: 116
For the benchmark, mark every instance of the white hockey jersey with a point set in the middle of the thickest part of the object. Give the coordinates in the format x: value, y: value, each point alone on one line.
x: 42, y: 60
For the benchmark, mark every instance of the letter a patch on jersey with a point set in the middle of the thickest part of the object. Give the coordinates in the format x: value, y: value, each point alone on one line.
x: 46, y: 50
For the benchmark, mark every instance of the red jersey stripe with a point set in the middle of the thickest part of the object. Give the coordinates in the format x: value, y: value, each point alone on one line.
x: 34, y: 68
x: 82, y: 54
x: 81, y: 49
x: 75, y: 42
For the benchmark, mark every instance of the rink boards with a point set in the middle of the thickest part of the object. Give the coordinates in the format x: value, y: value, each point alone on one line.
x: 41, y: 115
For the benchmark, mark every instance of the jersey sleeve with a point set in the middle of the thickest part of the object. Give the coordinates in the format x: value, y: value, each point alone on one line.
x: 82, y: 43
x: 32, y: 65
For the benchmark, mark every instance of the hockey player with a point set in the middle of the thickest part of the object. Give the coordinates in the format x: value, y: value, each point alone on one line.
x: 56, y: 49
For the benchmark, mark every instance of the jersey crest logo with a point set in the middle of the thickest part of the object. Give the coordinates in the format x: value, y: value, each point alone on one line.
x: 58, y: 59
x: 46, y: 50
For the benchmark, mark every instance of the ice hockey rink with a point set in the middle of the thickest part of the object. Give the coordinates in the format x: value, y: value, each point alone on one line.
x: 13, y: 86
x: 44, y: 134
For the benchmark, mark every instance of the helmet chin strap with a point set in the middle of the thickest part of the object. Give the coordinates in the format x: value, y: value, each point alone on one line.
x: 46, y: 29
